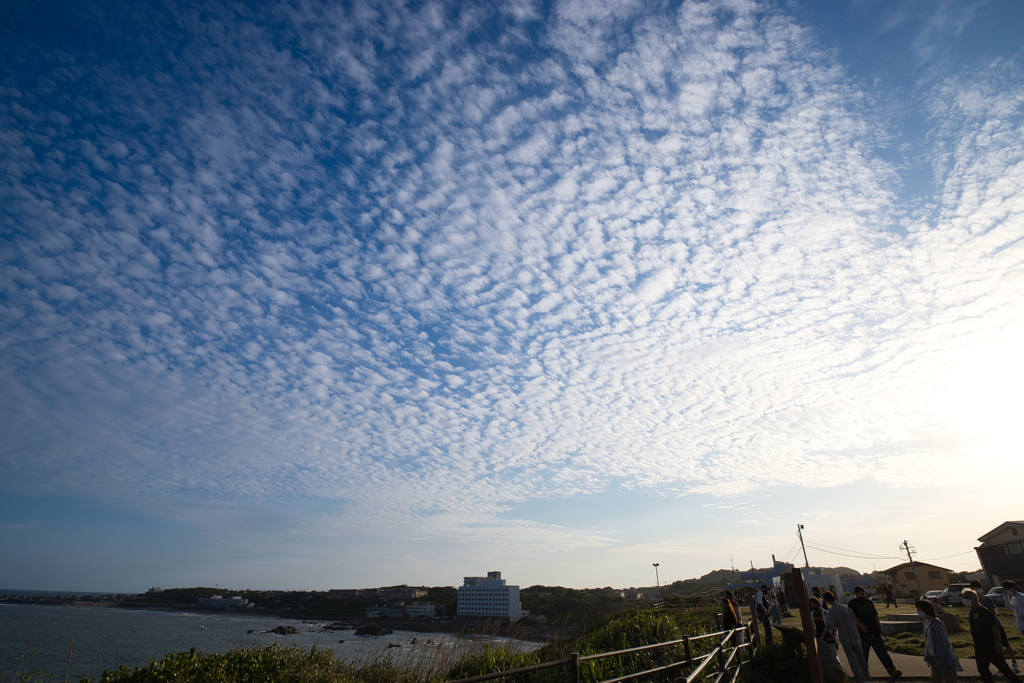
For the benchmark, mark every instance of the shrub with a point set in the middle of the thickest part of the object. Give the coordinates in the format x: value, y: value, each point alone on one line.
x: 780, y: 664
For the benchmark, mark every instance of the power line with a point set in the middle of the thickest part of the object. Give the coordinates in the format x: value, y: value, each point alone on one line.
x: 861, y: 557
x: 869, y: 556
x: 969, y: 552
x: 881, y: 557
x: 791, y: 552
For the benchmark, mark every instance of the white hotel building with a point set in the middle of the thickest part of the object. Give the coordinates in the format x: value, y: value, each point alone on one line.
x: 488, y: 597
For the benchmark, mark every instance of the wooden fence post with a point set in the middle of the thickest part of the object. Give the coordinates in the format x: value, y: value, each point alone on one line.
x: 756, y: 621
x: 574, y: 667
x: 810, y: 642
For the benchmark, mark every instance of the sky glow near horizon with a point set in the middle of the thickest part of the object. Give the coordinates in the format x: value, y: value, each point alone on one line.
x: 316, y: 295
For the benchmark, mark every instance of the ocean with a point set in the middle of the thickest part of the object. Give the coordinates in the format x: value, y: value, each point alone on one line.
x: 106, y: 638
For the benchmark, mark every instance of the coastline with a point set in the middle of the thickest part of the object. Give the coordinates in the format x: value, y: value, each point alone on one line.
x: 345, y: 622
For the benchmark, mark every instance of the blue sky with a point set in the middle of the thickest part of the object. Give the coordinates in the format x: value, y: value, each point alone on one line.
x: 338, y: 295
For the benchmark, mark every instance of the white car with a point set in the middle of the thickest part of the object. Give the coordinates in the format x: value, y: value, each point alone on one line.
x: 997, y: 596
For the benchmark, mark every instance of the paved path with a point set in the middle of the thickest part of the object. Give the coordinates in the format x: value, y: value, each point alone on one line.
x: 913, y: 666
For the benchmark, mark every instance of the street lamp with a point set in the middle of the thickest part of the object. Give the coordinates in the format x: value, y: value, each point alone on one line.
x: 657, y: 581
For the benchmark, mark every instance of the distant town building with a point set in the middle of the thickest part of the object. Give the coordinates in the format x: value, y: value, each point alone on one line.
x: 155, y: 589
x: 374, y: 612
x: 396, y: 610
x: 401, y: 593
x: 420, y: 610
x: 488, y: 597
x: 1002, y: 553
x: 220, y: 602
x: 905, y: 582
x: 378, y: 593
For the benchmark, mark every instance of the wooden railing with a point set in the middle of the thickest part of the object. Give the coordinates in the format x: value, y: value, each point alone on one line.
x: 725, y: 664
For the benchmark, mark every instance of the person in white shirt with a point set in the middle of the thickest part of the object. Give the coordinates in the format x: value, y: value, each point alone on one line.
x: 1015, y: 601
x: 842, y: 618
x: 763, y: 615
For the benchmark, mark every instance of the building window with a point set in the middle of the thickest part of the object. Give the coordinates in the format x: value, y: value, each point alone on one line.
x: 909, y: 575
x: 933, y: 575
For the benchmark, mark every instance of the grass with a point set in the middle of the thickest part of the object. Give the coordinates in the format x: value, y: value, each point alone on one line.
x: 295, y: 664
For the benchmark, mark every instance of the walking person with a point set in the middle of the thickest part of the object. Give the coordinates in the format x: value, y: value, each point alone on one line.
x: 840, y: 617
x: 938, y: 653
x: 888, y: 595
x: 1015, y: 601
x: 988, y: 650
x: 731, y: 618
x: 735, y: 605
x: 826, y: 641
x: 989, y: 604
x: 774, y: 605
x: 871, y: 630
x: 763, y: 615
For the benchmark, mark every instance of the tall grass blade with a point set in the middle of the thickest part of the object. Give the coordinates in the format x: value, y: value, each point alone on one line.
x: 67, y: 674
x: 22, y: 661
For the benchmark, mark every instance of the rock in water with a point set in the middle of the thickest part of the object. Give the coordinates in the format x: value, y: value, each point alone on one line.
x: 284, y: 630
x: 373, y: 630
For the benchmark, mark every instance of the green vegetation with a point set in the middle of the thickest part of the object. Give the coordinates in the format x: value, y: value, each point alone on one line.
x: 625, y: 630
x: 568, y: 605
x: 186, y: 597
x: 781, y: 664
x: 912, y: 643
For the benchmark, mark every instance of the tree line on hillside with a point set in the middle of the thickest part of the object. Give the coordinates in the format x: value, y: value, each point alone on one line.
x: 560, y: 605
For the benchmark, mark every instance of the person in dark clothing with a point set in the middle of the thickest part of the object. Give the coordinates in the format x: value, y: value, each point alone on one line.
x: 987, y: 648
x: 888, y: 595
x: 871, y: 630
x: 731, y: 617
x: 782, y: 601
x: 763, y: 613
x: 989, y: 604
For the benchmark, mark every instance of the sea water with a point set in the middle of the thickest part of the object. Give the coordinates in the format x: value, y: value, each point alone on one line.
x: 106, y: 638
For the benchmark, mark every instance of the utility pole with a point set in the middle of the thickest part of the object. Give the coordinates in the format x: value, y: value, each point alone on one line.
x: 657, y: 581
x: 799, y: 532
x: 910, y: 556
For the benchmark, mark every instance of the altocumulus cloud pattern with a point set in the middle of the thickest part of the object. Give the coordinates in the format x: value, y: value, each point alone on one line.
x: 463, y: 257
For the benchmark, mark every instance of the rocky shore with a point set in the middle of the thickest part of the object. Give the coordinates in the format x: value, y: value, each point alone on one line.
x: 538, y: 635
